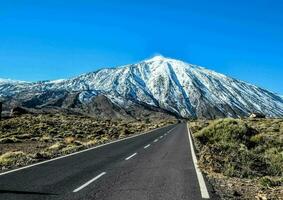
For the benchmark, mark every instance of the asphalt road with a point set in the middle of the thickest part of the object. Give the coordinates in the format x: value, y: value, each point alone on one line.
x: 153, y: 166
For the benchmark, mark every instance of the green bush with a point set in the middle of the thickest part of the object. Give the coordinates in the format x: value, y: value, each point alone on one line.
x: 270, y: 182
x: 239, y: 148
x: 227, y: 130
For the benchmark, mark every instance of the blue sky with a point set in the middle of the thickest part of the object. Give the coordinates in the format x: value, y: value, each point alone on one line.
x: 42, y: 40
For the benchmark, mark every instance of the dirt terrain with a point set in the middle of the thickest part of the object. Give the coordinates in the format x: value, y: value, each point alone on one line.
x: 31, y: 138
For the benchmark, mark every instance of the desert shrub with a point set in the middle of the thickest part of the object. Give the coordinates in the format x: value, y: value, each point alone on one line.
x: 104, y: 138
x: 69, y: 139
x: 147, y: 120
x: 46, y: 138
x: 258, y: 139
x: 226, y: 130
x: 23, y: 136
x: 236, y: 149
x: 13, y: 158
x: 270, y: 182
x: 275, y: 159
x: 9, y: 140
x: 90, y: 143
x: 57, y: 146
x: 72, y: 148
x: 43, y: 155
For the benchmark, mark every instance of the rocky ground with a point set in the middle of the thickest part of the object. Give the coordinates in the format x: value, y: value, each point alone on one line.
x: 243, y: 158
x: 32, y: 138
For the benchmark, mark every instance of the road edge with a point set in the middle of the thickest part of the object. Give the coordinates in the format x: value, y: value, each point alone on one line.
x: 201, y: 181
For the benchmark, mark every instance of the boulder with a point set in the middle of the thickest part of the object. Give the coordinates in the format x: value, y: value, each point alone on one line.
x: 257, y: 115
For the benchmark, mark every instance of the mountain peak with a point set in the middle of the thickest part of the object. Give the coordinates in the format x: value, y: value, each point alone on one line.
x: 160, y: 58
x: 157, y: 58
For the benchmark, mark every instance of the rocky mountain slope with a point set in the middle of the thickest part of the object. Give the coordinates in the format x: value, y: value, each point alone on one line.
x: 157, y: 84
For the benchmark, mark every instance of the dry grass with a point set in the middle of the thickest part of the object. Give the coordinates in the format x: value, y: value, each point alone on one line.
x: 13, y: 158
x: 250, y: 149
x: 41, y: 137
x: 69, y: 140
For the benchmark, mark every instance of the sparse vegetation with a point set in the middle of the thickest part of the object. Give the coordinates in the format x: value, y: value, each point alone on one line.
x: 30, y: 138
x: 14, y: 158
x: 246, y: 150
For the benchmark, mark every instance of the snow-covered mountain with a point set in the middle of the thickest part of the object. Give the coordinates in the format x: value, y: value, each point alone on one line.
x: 168, y: 84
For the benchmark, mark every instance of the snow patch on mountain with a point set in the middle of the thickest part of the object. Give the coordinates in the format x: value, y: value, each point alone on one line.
x: 57, y: 81
x: 10, y: 81
x: 173, y: 85
x: 87, y: 96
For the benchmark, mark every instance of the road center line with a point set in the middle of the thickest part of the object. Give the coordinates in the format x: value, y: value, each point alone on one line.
x: 161, y: 137
x: 89, y: 182
x: 156, y: 140
x: 128, y: 158
x: 202, y: 185
x: 146, y: 146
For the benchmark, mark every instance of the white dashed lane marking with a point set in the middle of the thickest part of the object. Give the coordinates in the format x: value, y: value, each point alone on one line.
x: 128, y: 158
x: 89, y: 182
